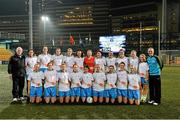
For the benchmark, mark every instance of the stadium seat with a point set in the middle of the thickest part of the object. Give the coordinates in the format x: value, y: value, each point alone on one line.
x: 5, y: 54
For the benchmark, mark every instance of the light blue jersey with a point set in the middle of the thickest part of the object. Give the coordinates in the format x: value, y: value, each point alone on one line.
x: 154, y: 68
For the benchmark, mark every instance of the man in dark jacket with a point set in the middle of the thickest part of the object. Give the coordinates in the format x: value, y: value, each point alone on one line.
x: 16, y: 67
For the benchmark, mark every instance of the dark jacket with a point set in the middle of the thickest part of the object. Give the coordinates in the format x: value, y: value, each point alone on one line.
x: 16, y: 65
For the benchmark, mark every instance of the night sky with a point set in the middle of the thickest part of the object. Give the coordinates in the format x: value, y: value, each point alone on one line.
x: 18, y: 7
x: 12, y: 7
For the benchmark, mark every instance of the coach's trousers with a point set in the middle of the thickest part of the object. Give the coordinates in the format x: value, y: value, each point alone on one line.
x: 155, y: 88
x: 18, y: 86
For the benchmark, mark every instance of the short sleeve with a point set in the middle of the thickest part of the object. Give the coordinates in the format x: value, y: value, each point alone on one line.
x: 53, y: 57
x: 127, y: 77
x: 116, y: 76
x: 139, y: 79
x: 81, y: 76
x: 70, y: 77
x: 64, y: 59
x: 26, y: 61
x: 91, y: 76
x: 39, y: 58
x: 29, y: 77
x: 58, y: 78
x: 104, y: 76
x: 42, y: 75
x: 50, y: 56
x: 147, y: 67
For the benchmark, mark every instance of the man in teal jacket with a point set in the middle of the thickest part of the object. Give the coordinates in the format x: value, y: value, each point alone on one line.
x: 155, y: 66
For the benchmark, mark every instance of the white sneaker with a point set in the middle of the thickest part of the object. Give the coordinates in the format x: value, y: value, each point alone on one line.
x: 22, y: 98
x: 155, y: 104
x: 15, y: 100
x: 151, y: 102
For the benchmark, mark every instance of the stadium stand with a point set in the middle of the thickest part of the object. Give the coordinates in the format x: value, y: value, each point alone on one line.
x: 5, y: 54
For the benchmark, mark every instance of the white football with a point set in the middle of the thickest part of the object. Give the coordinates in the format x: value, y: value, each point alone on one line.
x: 89, y: 100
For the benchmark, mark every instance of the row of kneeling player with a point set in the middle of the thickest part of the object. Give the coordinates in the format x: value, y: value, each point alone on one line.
x: 119, y: 85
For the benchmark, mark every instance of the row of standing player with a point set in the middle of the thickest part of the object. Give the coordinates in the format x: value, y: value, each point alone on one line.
x: 89, y: 60
x: 112, y: 93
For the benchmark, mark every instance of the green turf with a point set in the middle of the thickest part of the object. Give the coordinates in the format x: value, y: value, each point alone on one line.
x: 170, y: 107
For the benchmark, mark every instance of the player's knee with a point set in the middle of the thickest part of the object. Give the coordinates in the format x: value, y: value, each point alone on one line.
x: 47, y: 100
x: 77, y: 99
x: 113, y: 100
x: 83, y: 99
x: 61, y: 99
x: 107, y: 100
x: 32, y: 100
x: 137, y: 102
x: 37, y: 100
x: 40, y: 99
x: 100, y: 100
x: 67, y: 100
x: 131, y: 102
x: 125, y: 101
x: 72, y: 99
x: 119, y: 99
x: 53, y: 100
x: 95, y: 99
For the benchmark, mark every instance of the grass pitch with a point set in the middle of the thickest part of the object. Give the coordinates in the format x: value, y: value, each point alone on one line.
x: 169, y: 109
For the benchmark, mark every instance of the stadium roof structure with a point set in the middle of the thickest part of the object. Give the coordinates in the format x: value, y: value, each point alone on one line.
x: 19, y: 7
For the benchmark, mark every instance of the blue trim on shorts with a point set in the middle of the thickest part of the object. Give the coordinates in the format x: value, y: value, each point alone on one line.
x: 110, y: 93
x: 143, y: 81
x: 50, y: 92
x: 98, y: 93
x: 134, y: 94
x: 122, y: 93
x: 76, y: 91
x: 86, y: 92
x: 36, y: 91
x: 64, y: 93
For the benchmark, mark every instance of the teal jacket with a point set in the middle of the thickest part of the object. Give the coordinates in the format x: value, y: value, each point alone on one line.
x: 154, y: 65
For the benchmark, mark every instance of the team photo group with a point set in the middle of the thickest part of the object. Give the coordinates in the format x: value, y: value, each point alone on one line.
x: 90, y: 78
